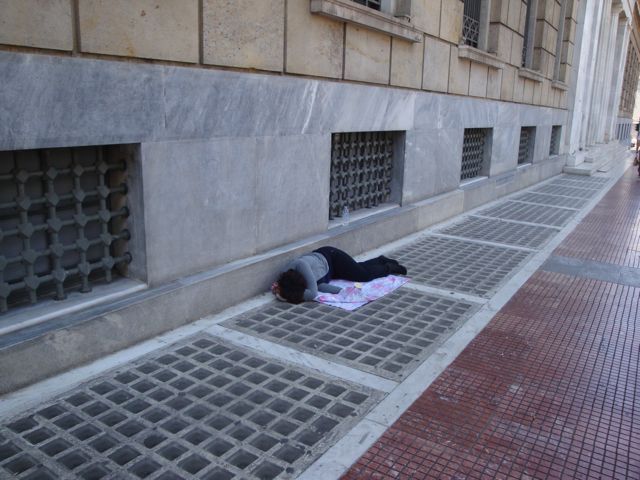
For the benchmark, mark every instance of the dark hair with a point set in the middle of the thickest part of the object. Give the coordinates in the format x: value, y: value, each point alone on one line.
x: 292, y: 285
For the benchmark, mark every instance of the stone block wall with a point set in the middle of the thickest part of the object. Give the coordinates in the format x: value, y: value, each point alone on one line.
x: 287, y: 37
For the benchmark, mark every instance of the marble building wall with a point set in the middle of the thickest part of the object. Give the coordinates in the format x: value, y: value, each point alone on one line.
x: 341, y: 40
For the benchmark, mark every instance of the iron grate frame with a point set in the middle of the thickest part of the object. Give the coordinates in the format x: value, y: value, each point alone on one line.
x: 62, y: 222
x: 554, y: 144
x: 474, y: 147
x: 527, y: 145
x: 362, y: 170
x: 471, y: 22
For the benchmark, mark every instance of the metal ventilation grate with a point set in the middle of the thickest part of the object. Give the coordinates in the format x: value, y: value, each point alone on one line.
x: 62, y: 217
x: 527, y: 139
x: 554, y: 145
x: 361, y: 170
x: 471, y: 22
x: 473, y: 152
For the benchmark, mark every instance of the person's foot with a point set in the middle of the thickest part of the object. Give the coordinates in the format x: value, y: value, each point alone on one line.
x: 396, y: 268
x: 388, y: 260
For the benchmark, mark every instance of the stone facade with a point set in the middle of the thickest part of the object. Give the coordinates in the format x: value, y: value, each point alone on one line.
x: 225, y: 113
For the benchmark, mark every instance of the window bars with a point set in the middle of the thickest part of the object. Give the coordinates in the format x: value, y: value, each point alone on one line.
x: 554, y: 145
x: 471, y: 22
x: 473, y: 152
x: 62, y: 215
x: 375, y: 4
x: 527, y: 139
x: 361, y: 170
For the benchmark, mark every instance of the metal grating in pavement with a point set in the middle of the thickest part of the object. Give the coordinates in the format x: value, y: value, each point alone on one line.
x: 389, y: 337
x: 566, y: 191
x: 580, y: 181
x: 460, y: 265
x: 522, y: 212
x: 501, y: 231
x: 555, y: 200
x: 198, y: 409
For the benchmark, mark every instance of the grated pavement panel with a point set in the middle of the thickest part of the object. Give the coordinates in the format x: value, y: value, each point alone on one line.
x: 554, y: 200
x: 580, y: 181
x: 389, y: 337
x: 459, y: 265
x: 501, y: 231
x: 521, y: 212
x: 566, y: 191
x: 197, y: 409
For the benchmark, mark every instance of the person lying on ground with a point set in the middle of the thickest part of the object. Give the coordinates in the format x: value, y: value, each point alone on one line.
x: 310, y: 273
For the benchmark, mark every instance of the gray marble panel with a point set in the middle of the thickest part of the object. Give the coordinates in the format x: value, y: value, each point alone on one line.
x: 508, y: 114
x: 543, y: 140
x: 340, y: 107
x: 292, y: 192
x: 207, y: 103
x: 199, y: 204
x: 427, y: 111
x: 504, y: 152
x: 432, y: 163
x: 54, y: 102
x: 534, y: 116
x: 464, y: 112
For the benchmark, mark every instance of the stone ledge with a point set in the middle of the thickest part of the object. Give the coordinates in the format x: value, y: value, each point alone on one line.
x: 480, y: 56
x: 351, y: 12
x: 559, y: 85
x: 531, y: 74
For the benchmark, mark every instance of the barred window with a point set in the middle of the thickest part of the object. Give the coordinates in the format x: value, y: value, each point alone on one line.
x: 365, y: 170
x: 554, y: 145
x: 527, y: 144
x: 471, y: 22
x: 375, y: 4
x: 62, y: 222
x: 476, y: 151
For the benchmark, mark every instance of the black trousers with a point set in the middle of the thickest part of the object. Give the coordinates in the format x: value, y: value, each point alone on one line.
x: 343, y: 267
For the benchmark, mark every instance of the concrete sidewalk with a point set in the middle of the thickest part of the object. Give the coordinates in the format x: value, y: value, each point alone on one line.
x: 271, y: 390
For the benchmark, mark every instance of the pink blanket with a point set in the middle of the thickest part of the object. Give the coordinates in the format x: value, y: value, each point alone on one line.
x: 356, y: 294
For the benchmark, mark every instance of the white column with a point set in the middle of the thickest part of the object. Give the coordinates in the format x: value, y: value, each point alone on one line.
x: 622, y: 47
x: 581, y: 72
x: 597, y: 92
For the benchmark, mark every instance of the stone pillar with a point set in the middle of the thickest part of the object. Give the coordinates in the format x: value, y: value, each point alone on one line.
x: 622, y: 43
x: 589, y: 14
x: 599, y: 73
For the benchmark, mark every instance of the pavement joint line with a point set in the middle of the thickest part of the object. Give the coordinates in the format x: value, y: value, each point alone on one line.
x: 444, y: 293
x: 486, y: 242
x: 606, y: 272
x: 520, y: 222
x: 408, y: 391
x: 21, y: 400
x: 303, y: 359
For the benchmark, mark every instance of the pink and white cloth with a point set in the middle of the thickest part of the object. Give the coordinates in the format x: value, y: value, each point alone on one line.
x: 356, y: 294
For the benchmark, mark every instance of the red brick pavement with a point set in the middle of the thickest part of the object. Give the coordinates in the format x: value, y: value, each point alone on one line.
x: 549, y: 388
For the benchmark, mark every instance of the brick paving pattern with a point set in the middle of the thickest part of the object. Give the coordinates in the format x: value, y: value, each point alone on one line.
x: 460, y: 265
x: 522, y: 212
x: 389, y: 337
x: 547, y: 390
x: 501, y: 231
x: 198, y: 409
x: 616, y: 225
